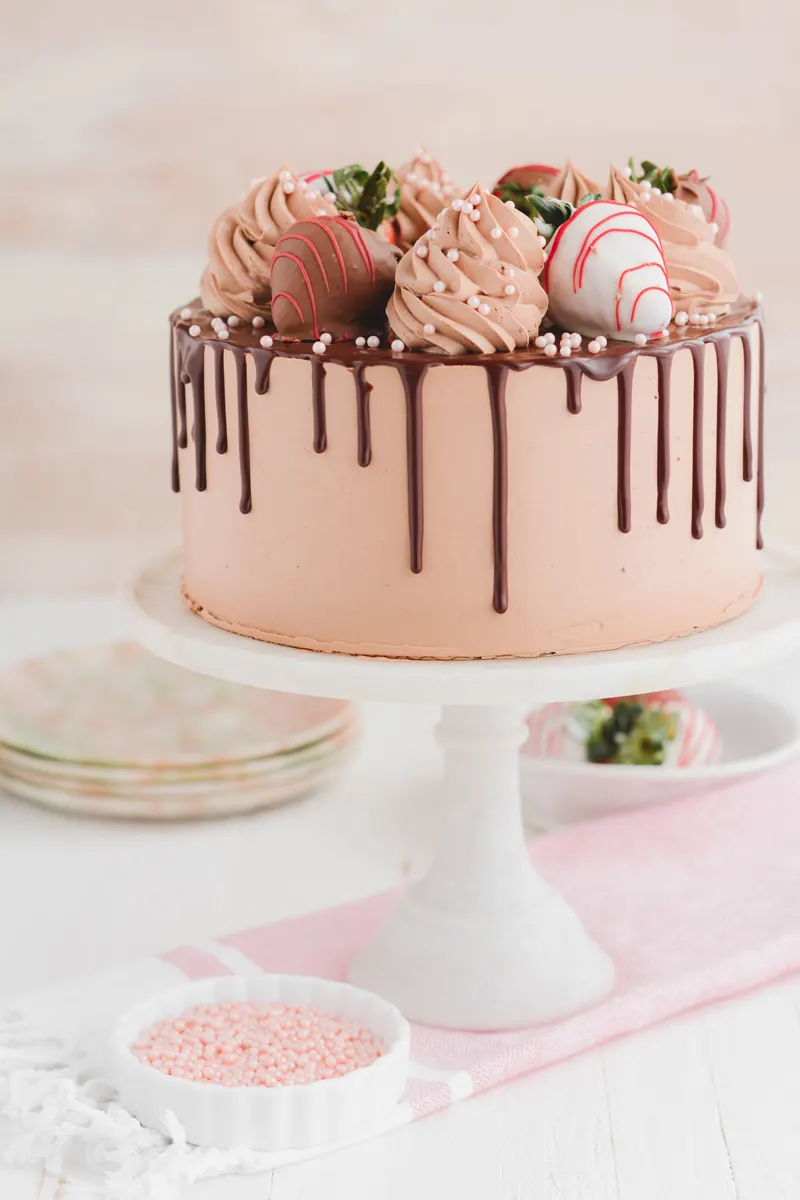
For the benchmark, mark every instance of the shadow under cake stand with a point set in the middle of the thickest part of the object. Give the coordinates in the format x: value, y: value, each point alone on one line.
x: 482, y: 942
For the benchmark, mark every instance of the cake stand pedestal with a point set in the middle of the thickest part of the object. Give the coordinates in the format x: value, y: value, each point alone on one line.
x: 482, y: 942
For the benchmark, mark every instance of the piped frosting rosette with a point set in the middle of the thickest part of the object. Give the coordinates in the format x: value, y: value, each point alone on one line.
x: 702, y: 278
x: 606, y: 273
x: 242, y: 242
x: 563, y: 731
x: 472, y: 283
x: 425, y: 187
x: 572, y: 185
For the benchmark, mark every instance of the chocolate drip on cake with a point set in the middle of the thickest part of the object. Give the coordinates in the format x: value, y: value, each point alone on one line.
x: 263, y: 360
x: 618, y: 362
x: 624, y: 402
x: 761, y: 395
x: 363, y: 392
x: 698, y: 353
x: 246, y: 501
x: 219, y: 399
x: 722, y: 346
x: 412, y: 375
x: 497, y: 375
x: 574, y: 376
x: 174, y: 334
x: 193, y: 373
x: 318, y: 406
x: 664, y: 367
x: 747, y: 436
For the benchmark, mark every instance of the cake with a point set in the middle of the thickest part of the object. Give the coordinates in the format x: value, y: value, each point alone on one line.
x: 415, y: 421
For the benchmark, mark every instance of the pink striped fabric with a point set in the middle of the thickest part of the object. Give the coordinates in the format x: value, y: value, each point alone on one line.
x: 695, y: 901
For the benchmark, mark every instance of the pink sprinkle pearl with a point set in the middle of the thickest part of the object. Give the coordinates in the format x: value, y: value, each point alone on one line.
x: 247, y: 1044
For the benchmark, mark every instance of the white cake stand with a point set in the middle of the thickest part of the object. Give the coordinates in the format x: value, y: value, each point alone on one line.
x: 482, y: 942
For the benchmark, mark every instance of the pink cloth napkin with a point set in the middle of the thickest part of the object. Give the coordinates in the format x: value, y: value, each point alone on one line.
x: 695, y: 901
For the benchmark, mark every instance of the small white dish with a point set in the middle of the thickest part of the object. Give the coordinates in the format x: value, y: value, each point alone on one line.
x: 325, y: 1113
x: 757, y: 734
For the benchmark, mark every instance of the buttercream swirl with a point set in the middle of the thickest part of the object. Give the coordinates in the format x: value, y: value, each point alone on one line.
x: 696, y: 190
x: 702, y: 277
x: 571, y: 185
x: 424, y: 187
x: 472, y: 283
x: 242, y: 242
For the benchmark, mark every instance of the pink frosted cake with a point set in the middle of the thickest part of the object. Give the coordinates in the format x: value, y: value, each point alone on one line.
x: 413, y: 421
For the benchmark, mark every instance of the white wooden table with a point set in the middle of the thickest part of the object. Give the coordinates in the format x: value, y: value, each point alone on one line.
x: 703, y: 1108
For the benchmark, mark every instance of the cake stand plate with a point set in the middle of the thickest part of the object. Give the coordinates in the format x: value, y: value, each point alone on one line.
x: 482, y: 942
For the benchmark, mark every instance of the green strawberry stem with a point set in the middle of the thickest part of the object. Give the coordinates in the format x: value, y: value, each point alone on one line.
x: 663, y: 178
x: 366, y: 194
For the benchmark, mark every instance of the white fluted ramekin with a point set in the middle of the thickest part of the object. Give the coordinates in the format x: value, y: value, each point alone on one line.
x: 293, y: 1117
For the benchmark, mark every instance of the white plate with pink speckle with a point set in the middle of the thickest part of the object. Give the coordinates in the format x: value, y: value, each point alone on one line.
x: 113, y: 731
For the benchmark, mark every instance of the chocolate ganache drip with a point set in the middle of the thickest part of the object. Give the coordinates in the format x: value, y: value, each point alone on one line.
x: 187, y: 366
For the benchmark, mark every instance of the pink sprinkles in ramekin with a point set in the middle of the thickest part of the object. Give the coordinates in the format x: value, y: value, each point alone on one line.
x: 247, y: 1044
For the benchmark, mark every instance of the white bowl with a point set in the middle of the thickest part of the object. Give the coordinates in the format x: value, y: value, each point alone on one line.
x: 757, y: 734
x: 297, y: 1116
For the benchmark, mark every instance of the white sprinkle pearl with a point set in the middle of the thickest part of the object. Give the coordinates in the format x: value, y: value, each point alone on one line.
x: 694, y: 319
x: 703, y: 319
x: 186, y: 313
x: 593, y: 348
x: 373, y: 342
x: 645, y: 197
x: 217, y: 323
x: 475, y: 198
x: 697, y: 210
x: 319, y: 347
x: 509, y: 289
x: 473, y: 301
x: 429, y: 329
x: 233, y: 322
x: 223, y: 334
x: 466, y: 207
x: 602, y: 341
x: 575, y: 340
x: 565, y: 350
x: 646, y: 184
x: 542, y: 241
x: 496, y: 233
x: 457, y: 204
x: 550, y: 350
x: 668, y: 196
x: 361, y: 341
x: 258, y: 322
x: 422, y: 251
x: 397, y: 345
x: 550, y: 338
x: 288, y: 187
x: 510, y: 204
x: 326, y: 338
x: 194, y: 330
x: 714, y: 228
x: 438, y: 286
x: 540, y: 342
x: 513, y: 231
x: 284, y: 176
x: 475, y: 215
x: 681, y: 318
x: 452, y: 255
x: 640, y: 339
x: 712, y: 317
x: 266, y: 341
x: 484, y: 309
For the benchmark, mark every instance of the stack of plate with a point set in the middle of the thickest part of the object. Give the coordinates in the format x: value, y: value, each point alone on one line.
x: 112, y: 731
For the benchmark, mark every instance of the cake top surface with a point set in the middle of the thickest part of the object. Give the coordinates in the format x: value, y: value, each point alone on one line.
x: 547, y: 263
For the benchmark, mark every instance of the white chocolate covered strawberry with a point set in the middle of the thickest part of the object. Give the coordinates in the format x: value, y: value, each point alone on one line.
x: 606, y: 275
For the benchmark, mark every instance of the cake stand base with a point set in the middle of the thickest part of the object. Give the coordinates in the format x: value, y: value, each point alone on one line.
x: 482, y: 942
